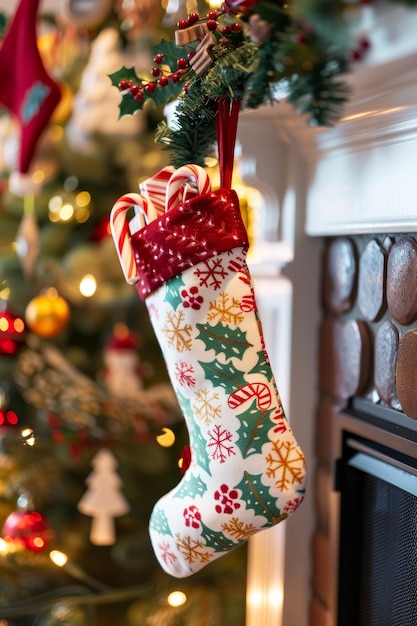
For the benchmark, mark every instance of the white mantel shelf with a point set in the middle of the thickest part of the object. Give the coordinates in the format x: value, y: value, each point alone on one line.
x: 363, y: 175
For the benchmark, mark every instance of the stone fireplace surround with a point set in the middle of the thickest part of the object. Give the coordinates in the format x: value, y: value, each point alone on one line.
x: 341, y: 318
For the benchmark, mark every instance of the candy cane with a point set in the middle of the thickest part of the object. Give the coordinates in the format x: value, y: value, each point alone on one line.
x: 155, y: 188
x: 187, y: 173
x: 260, y: 391
x: 122, y: 229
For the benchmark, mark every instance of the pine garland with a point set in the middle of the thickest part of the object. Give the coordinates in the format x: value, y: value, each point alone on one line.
x: 297, y: 50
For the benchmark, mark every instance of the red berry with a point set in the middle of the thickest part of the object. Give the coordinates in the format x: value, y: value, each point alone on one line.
x: 150, y: 87
x: 364, y: 43
x: 236, y: 27
x: 183, y: 24
x: 193, y: 18
x: 158, y: 58
x: 186, y: 86
x: 139, y: 96
x: 163, y: 81
x: 175, y: 77
x: 211, y: 24
x: 156, y: 71
x: 182, y: 63
x: 190, y: 55
x: 212, y: 15
x: 125, y: 84
x: 226, y: 30
x: 134, y: 89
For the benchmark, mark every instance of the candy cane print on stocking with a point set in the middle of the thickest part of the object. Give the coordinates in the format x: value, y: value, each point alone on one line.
x: 245, y: 474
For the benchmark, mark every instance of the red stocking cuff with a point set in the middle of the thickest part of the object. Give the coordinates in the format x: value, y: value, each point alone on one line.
x: 192, y: 232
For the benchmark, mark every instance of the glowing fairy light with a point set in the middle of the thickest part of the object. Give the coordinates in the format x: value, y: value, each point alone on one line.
x: 88, y: 286
x: 58, y: 558
x: 177, y: 598
x: 29, y: 436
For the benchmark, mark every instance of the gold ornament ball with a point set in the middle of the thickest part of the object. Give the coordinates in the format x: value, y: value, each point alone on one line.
x: 47, y: 315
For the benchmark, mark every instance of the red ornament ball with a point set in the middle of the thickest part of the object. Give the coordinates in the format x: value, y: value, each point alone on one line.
x: 8, y: 418
x: 28, y: 530
x: 12, y: 333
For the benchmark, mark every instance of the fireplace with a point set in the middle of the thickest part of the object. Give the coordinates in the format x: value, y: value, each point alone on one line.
x: 343, y: 246
x: 376, y: 477
x: 361, y: 204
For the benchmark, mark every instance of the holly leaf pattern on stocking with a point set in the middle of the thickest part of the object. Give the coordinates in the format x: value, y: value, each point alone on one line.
x: 224, y: 375
x: 229, y: 341
x: 200, y: 456
x: 192, y: 487
x: 159, y: 522
x: 217, y: 540
x: 258, y: 498
x: 252, y: 430
x: 172, y: 293
x: 262, y: 367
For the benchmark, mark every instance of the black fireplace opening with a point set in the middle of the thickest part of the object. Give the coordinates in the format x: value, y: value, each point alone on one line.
x: 377, y: 577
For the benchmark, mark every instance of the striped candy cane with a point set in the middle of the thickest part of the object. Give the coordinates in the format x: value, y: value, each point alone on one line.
x: 155, y: 188
x: 260, y: 391
x: 122, y: 229
x: 179, y: 181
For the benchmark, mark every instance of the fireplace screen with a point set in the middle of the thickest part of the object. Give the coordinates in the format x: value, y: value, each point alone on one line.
x: 378, y: 537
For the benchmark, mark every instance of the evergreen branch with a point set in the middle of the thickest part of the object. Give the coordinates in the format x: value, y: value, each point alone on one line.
x: 73, y: 597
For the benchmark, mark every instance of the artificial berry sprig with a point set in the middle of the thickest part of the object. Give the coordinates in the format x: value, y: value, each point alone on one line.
x: 175, y: 64
x: 166, y: 83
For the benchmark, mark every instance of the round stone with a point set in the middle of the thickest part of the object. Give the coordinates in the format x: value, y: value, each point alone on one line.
x: 371, y: 282
x: 402, y: 280
x: 340, y: 273
x: 345, y: 357
x: 386, y: 350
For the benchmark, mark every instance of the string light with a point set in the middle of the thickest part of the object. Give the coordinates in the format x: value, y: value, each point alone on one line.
x: 29, y: 437
x: 88, y: 286
x: 58, y: 558
x: 167, y: 438
x: 177, y: 598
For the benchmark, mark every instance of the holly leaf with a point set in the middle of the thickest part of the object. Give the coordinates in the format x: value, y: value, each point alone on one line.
x: 252, y: 430
x: 224, y: 375
x: 258, y: 498
x: 217, y: 540
x: 129, y: 105
x: 198, y: 443
x: 172, y: 294
x: 171, y: 53
x: 125, y: 73
x: 159, y: 522
x: 262, y: 367
x: 229, y: 341
x: 192, y: 487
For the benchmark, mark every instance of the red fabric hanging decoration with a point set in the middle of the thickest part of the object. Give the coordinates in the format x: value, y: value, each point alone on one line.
x: 26, y: 89
x: 227, y: 120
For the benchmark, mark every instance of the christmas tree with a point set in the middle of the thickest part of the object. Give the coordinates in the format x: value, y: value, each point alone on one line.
x: 81, y: 373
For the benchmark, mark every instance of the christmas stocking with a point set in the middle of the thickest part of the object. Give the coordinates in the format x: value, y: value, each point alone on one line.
x: 247, y: 471
x: 26, y: 89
